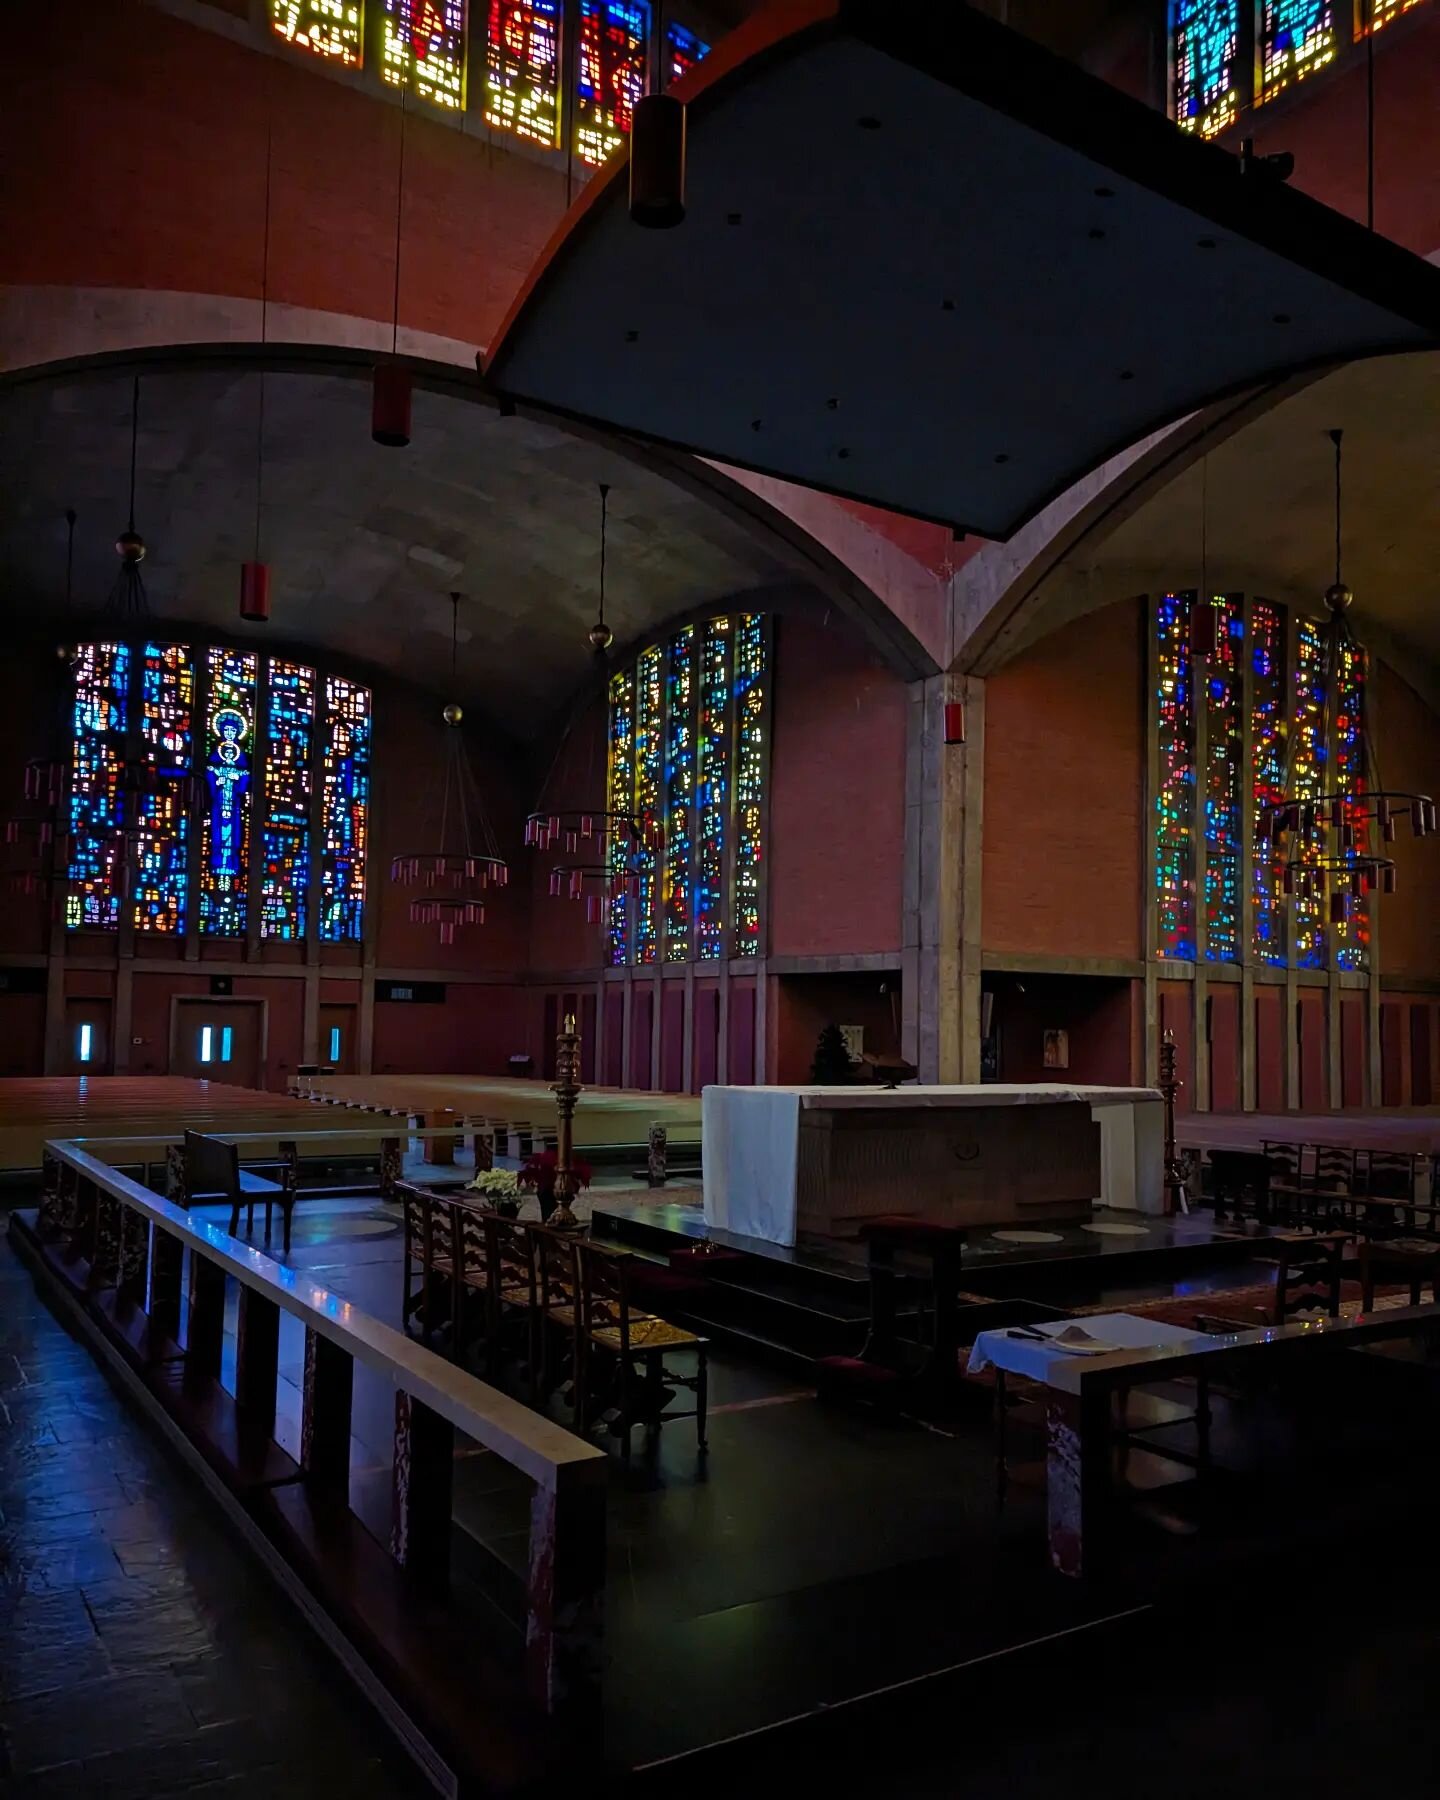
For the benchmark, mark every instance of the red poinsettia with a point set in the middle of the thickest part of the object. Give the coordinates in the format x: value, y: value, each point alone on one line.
x: 537, y: 1172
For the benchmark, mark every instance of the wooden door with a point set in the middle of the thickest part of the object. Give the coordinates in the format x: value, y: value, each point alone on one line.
x: 87, y: 1036
x: 218, y: 1040
x: 337, y: 1037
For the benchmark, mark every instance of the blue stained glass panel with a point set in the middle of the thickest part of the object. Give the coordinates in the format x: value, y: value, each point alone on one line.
x: 1205, y: 64
x: 102, y: 699
x: 285, y: 835
x: 346, y: 809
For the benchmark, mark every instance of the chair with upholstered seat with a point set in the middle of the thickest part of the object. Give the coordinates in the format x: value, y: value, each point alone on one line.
x: 615, y: 1331
x: 430, y: 1244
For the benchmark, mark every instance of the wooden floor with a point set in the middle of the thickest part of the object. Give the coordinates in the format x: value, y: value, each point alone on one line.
x: 603, y: 1116
x: 1413, y: 1129
x: 33, y: 1110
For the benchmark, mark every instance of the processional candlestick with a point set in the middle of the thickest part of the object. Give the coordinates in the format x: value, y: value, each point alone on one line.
x: 1170, y: 1085
x: 566, y: 1089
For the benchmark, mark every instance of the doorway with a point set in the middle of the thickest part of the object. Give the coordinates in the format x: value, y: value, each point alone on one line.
x: 337, y: 1039
x: 87, y: 1036
x: 218, y: 1040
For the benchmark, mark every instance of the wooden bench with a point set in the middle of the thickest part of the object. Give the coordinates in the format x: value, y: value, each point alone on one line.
x: 213, y: 1172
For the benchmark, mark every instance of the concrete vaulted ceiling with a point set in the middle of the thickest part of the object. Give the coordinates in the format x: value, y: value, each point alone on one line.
x: 928, y: 265
x: 365, y: 544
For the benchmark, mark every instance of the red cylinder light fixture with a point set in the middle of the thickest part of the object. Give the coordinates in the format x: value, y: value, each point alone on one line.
x: 255, y: 592
x: 391, y: 393
x: 1202, y: 628
x: 657, y: 162
x: 954, y: 721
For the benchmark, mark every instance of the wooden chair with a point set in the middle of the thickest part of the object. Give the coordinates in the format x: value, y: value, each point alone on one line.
x: 213, y: 1172
x: 1385, y: 1203
x: 1240, y: 1184
x: 1289, y: 1169
x: 1401, y: 1264
x: 430, y: 1243
x: 557, y: 1310
x: 636, y: 1342
x: 512, y: 1292
x: 1308, y: 1274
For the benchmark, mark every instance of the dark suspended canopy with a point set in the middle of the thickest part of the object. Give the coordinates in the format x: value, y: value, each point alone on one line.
x: 928, y: 265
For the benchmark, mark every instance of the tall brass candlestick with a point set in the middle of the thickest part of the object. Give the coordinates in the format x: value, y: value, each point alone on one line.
x: 566, y: 1089
x: 1170, y: 1085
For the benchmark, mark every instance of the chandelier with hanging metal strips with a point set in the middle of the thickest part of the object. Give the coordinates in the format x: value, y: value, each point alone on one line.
x: 1334, y: 838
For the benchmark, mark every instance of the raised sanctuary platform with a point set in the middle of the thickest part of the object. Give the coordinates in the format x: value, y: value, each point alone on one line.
x: 819, y: 1161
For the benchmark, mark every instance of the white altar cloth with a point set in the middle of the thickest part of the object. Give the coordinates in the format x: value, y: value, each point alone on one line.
x: 751, y: 1142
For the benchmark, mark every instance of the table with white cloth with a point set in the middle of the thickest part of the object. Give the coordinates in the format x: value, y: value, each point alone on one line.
x: 786, y: 1160
x: 1016, y: 1352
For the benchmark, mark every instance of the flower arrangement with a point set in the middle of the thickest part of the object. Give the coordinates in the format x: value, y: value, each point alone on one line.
x: 499, y: 1187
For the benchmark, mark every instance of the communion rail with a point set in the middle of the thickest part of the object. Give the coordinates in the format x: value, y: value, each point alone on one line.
x: 149, y: 1284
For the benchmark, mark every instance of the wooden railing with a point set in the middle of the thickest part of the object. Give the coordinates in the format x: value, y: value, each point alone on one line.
x: 122, y: 1249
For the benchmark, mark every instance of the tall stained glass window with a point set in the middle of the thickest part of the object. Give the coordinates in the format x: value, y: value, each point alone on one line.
x: 679, y: 794
x: 522, y: 69
x: 620, y: 798
x: 424, y: 49
x: 682, y: 51
x: 1351, y: 935
x: 713, y: 787
x: 749, y: 779
x: 345, y: 809
x: 1205, y: 47
x: 1308, y: 774
x: 614, y: 48
x: 1268, y: 739
x: 1223, y: 676
x: 334, y: 29
x: 1297, y: 37
x: 285, y: 833
x: 102, y: 698
x: 225, y: 821
x: 689, y: 730
x: 1175, y: 796
x: 649, y: 750
x: 162, y: 826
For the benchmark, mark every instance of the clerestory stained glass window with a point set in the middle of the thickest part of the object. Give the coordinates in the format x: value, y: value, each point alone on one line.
x: 334, y: 29
x: 97, y: 764
x: 424, y: 49
x: 225, y: 819
x: 682, y: 51
x: 614, y: 49
x: 1269, y: 738
x: 346, y: 809
x: 1174, y: 822
x: 1205, y: 51
x: 1297, y: 37
x: 162, y: 825
x: 522, y: 69
x: 285, y: 837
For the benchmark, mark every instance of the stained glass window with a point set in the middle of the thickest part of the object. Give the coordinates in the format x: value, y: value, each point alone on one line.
x: 649, y: 752
x: 679, y: 794
x: 424, y: 49
x: 620, y: 799
x: 162, y: 825
x: 682, y: 51
x: 1307, y: 780
x: 334, y: 29
x: 225, y: 820
x: 713, y: 788
x: 1352, y: 935
x: 1175, y: 796
x: 345, y: 809
x: 698, y: 893
x: 522, y: 69
x: 1205, y: 47
x: 1221, y: 674
x: 749, y: 779
x: 614, y: 47
x: 1297, y: 37
x: 1377, y: 14
x: 285, y: 834
x: 1267, y: 777
x: 102, y: 697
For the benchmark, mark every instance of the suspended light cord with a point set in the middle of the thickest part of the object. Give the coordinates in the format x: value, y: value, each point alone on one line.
x: 1336, y: 438
x: 264, y: 335
x: 134, y: 444
x: 70, y: 559
x: 1370, y: 128
x: 604, y: 533
x: 1205, y: 530
x: 399, y: 219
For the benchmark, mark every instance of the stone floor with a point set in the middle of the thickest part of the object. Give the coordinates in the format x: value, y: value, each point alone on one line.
x: 142, y: 1653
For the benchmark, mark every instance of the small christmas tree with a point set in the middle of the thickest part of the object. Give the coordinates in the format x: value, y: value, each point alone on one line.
x: 832, y: 1066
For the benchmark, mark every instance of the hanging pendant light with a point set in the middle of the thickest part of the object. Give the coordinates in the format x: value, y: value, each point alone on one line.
x: 1326, y: 836
x: 657, y: 162
x: 610, y: 846
x: 465, y: 861
x: 255, y: 575
x: 128, y: 602
x: 391, y: 385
